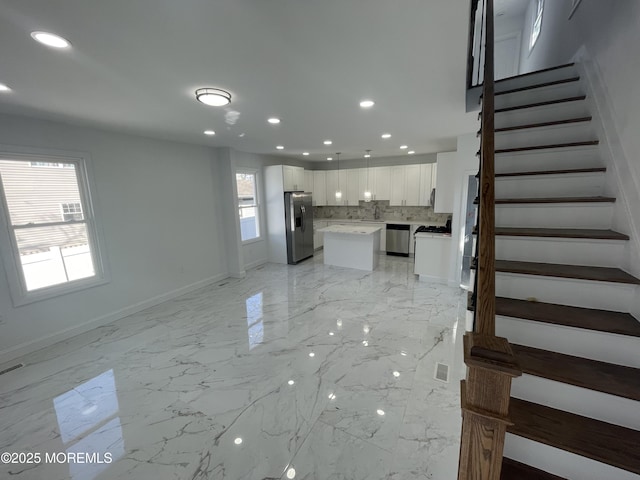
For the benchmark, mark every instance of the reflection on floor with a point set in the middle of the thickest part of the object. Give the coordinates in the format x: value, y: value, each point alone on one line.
x: 306, y: 371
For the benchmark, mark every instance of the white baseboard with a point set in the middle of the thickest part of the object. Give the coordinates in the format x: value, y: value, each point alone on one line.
x: 255, y: 264
x: 48, y: 340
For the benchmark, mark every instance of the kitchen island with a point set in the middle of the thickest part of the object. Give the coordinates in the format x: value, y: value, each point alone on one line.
x: 351, y: 246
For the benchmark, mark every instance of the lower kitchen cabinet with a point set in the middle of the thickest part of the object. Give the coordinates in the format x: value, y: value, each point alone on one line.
x: 318, y: 237
x: 432, y: 257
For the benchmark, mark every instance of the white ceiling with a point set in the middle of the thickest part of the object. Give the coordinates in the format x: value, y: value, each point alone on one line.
x: 135, y: 65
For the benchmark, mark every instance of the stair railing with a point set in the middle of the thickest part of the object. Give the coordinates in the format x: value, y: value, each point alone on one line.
x: 491, y: 365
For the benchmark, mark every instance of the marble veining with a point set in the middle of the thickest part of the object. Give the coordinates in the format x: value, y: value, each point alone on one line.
x: 306, y: 371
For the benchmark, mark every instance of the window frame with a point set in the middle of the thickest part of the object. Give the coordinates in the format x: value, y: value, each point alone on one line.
x: 257, y: 204
x: 9, y: 252
x: 536, y: 20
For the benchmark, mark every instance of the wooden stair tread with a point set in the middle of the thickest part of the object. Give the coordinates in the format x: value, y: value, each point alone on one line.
x: 541, y: 104
x: 544, y: 124
x: 561, y: 233
x: 600, y: 441
x: 596, y: 199
x: 512, y: 470
x: 552, y: 172
x: 538, y: 85
x: 528, y: 74
x: 582, y: 372
x: 599, y: 274
x: 576, y: 317
x: 586, y: 143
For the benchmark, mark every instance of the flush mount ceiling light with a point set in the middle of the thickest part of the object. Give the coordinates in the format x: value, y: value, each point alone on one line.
x: 367, y: 103
x: 213, y: 97
x: 50, y: 40
x: 209, y: 132
x: 4, y: 88
x: 327, y: 142
x: 386, y: 135
x: 273, y: 121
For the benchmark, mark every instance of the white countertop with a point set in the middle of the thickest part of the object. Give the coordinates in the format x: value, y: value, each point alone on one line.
x: 350, y: 229
x: 383, y: 222
x: 431, y: 235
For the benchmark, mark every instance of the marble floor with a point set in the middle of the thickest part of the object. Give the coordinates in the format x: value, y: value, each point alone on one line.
x: 306, y: 372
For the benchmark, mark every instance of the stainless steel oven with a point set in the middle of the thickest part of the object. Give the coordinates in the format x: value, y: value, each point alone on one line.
x: 398, y: 237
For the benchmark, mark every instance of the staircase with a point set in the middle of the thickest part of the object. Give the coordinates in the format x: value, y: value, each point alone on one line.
x: 562, y: 298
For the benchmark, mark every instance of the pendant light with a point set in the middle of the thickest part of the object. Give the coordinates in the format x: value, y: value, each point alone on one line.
x: 338, y: 191
x: 367, y: 191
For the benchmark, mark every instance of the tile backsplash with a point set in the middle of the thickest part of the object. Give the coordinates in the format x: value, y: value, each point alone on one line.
x: 366, y: 211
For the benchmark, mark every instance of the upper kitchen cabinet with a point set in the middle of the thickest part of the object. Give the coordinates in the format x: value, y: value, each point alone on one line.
x: 405, y: 185
x: 352, y: 187
x: 293, y: 178
x: 445, y: 182
x: 427, y: 183
x: 319, y: 188
x: 336, y: 181
x: 381, y: 183
x: 308, y: 181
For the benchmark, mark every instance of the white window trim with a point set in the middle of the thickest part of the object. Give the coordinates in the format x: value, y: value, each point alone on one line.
x: 258, y: 205
x: 8, y: 247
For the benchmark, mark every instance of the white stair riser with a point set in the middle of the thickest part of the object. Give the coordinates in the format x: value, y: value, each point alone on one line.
x: 558, y: 134
x: 602, y: 346
x: 542, y: 94
x: 536, y: 78
x: 616, y: 297
x: 548, y: 159
x: 561, y: 462
x: 564, y: 215
x: 541, y: 186
x: 581, y: 401
x: 543, y: 113
x: 571, y: 251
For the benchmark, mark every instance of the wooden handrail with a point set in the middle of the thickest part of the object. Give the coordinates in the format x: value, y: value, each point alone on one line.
x: 491, y: 365
x: 485, y: 296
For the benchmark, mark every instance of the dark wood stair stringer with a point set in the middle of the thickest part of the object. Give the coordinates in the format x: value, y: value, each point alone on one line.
x: 617, y: 380
x: 600, y: 441
x: 576, y: 317
x: 512, y: 470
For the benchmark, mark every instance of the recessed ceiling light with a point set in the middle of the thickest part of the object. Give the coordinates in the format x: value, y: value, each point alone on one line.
x: 4, y: 88
x: 209, y: 132
x: 367, y: 103
x: 214, y: 97
x: 291, y: 382
x: 403, y: 147
x: 305, y: 153
x: 50, y: 40
x: 386, y: 135
x: 396, y: 373
x: 311, y: 354
x: 327, y: 142
x: 329, y: 158
x: 380, y: 412
x: 273, y: 120
x: 410, y: 152
x: 238, y: 441
x: 280, y: 147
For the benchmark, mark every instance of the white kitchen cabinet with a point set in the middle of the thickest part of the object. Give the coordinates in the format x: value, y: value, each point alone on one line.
x: 319, y: 188
x: 336, y: 180
x: 382, y: 183
x: 432, y: 257
x: 405, y: 185
x: 412, y: 240
x: 365, y: 183
x: 427, y: 183
x: 308, y: 181
x: 445, y: 182
x: 352, y: 187
x: 293, y: 178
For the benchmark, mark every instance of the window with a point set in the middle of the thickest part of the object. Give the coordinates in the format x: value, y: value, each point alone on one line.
x: 248, y: 205
x: 49, y: 243
x: 537, y: 23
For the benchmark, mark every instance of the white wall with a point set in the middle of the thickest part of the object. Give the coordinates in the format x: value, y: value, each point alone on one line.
x: 160, y: 215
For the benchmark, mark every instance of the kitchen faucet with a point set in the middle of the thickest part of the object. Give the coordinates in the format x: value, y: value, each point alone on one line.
x: 376, y: 212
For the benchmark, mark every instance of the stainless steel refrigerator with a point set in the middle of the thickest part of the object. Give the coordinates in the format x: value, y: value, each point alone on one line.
x: 298, y: 214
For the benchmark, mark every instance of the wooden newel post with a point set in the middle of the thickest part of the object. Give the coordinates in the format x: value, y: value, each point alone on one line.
x: 485, y: 405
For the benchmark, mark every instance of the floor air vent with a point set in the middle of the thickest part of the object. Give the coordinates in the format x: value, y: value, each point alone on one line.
x: 442, y: 372
x: 14, y: 367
